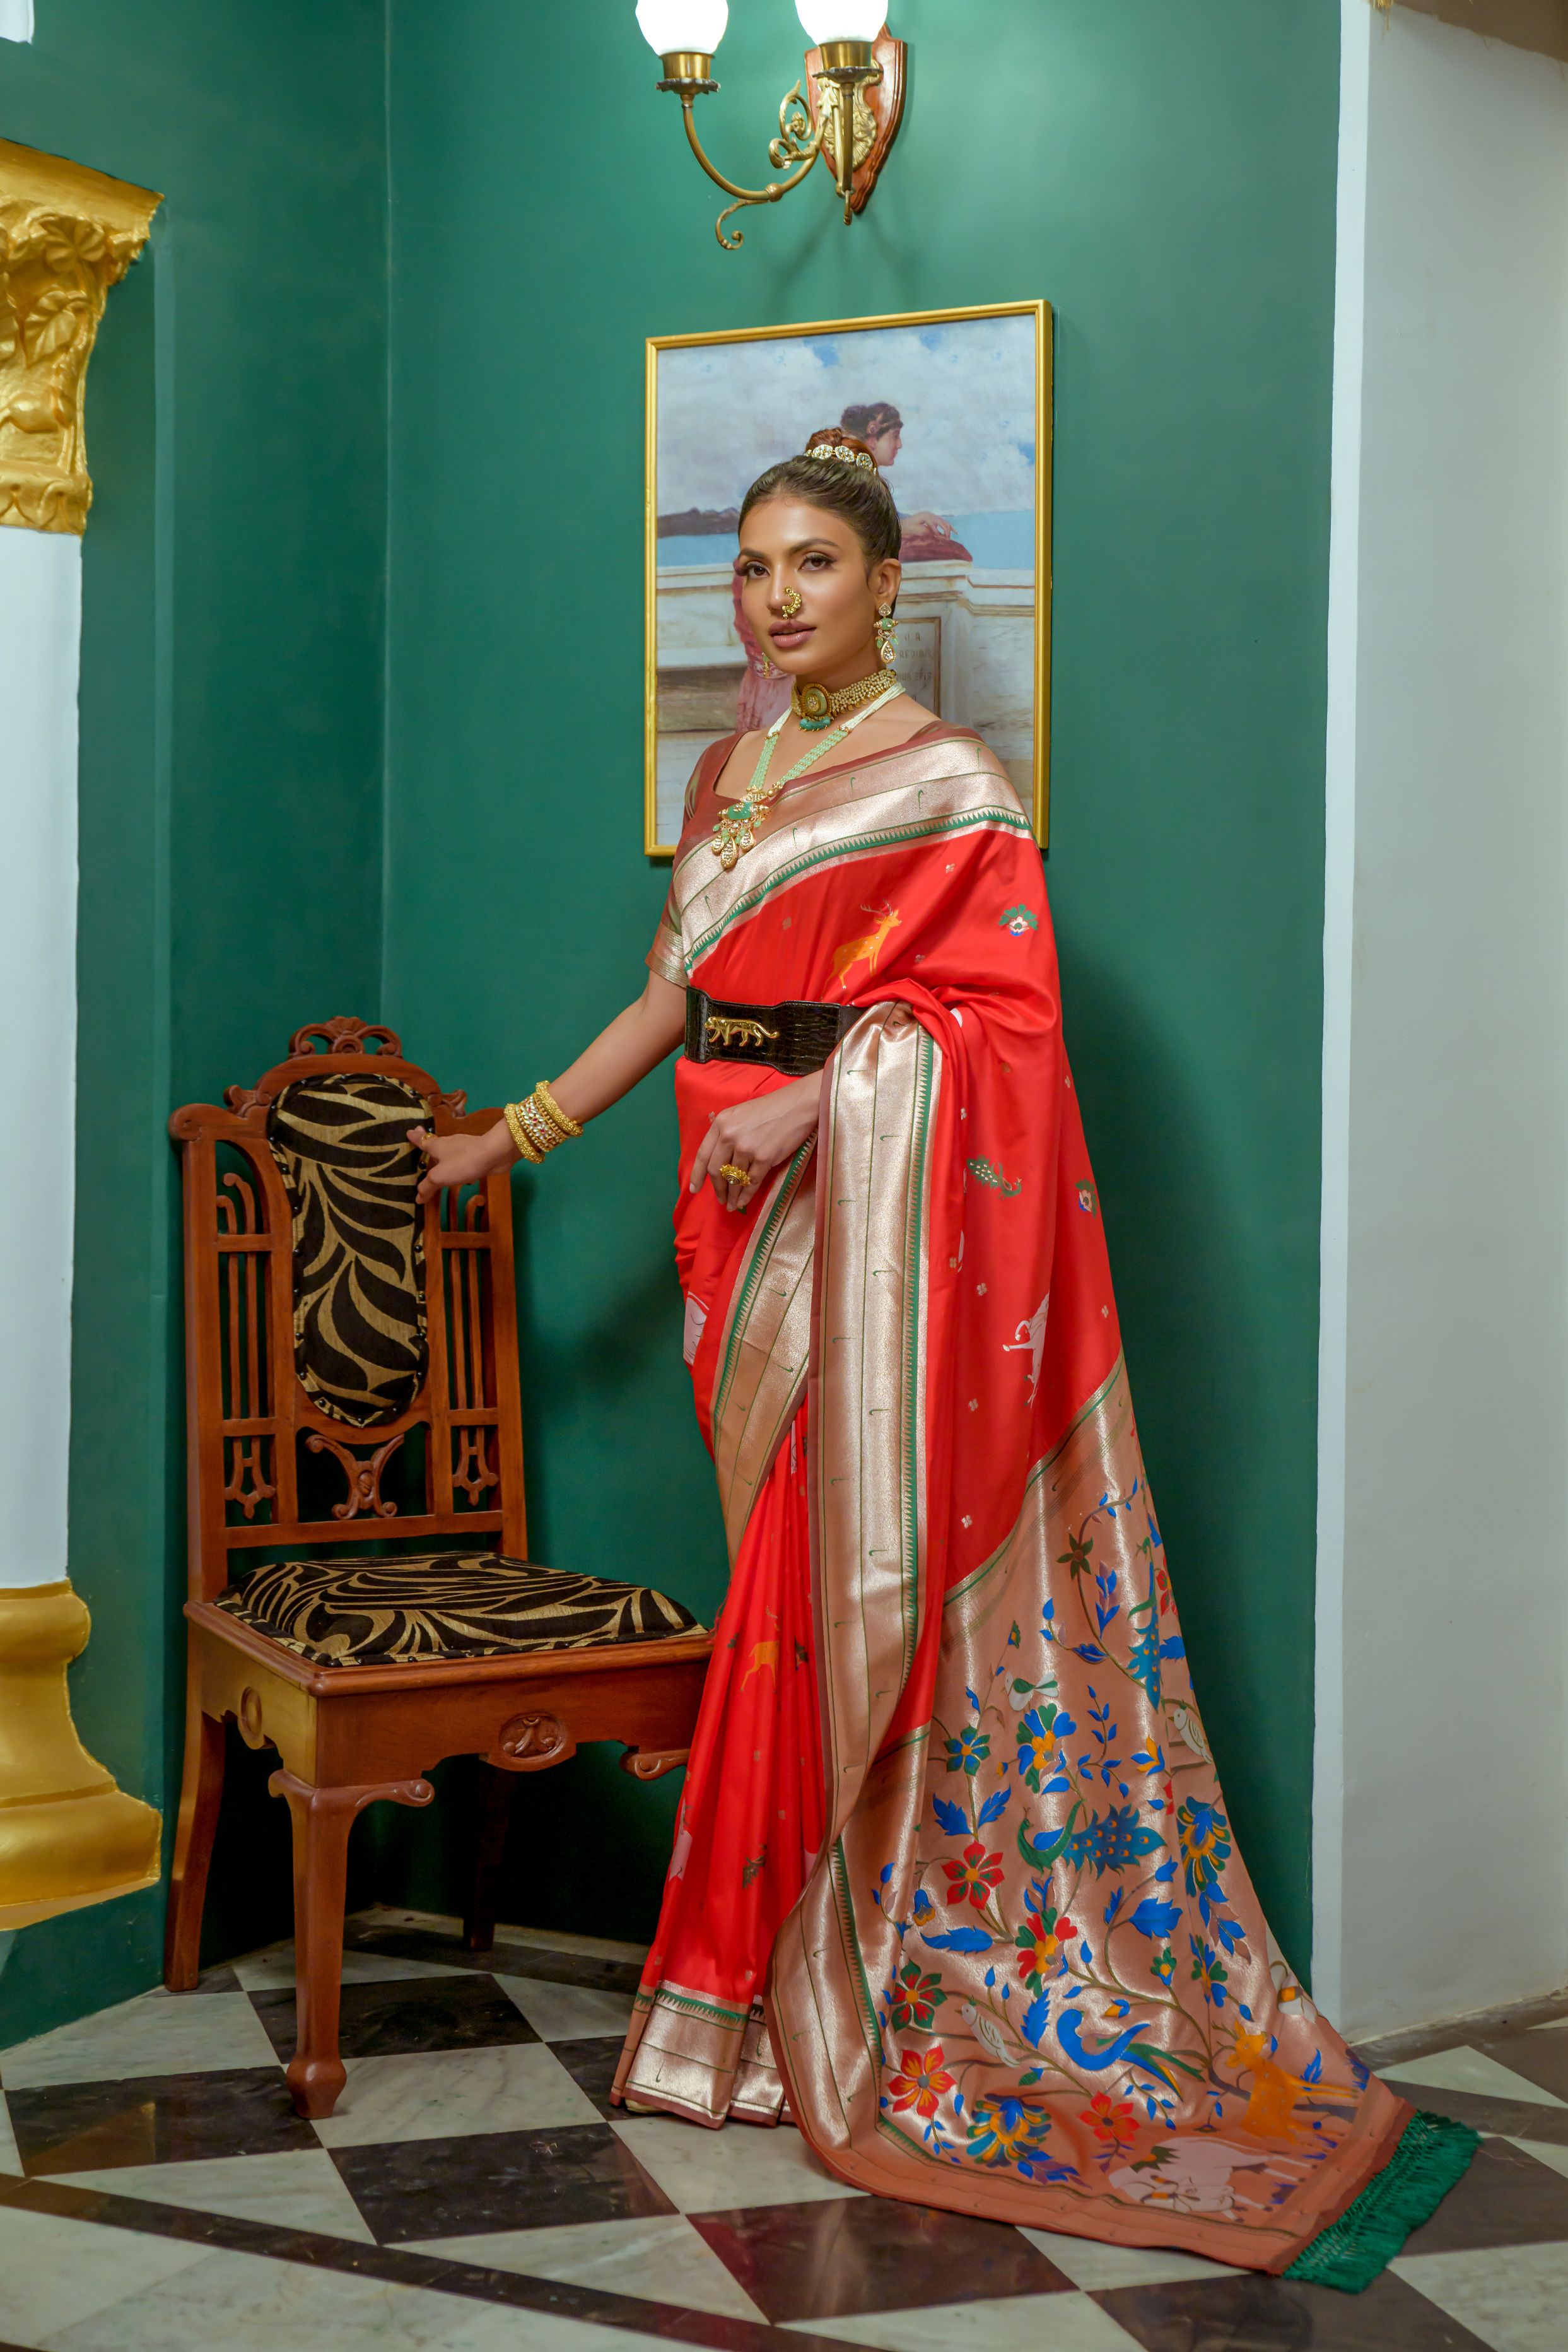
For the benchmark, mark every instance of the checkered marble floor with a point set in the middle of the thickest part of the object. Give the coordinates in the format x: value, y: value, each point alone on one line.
x: 475, y: 2191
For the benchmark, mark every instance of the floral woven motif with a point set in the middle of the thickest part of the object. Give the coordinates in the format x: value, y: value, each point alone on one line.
x: 1072, y: 1983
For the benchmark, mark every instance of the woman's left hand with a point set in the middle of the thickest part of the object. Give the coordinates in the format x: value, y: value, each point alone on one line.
x: 757, y: 1136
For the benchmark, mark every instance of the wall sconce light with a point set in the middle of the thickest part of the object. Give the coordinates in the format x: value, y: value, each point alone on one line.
x: 849, y: 116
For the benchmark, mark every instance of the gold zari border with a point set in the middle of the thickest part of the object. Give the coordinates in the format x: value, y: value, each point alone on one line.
x: 910, y: 793
x: 765, y: 1346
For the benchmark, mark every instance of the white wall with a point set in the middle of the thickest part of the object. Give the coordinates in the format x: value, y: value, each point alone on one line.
x: 1442, y: 1771
x: 40, y: 632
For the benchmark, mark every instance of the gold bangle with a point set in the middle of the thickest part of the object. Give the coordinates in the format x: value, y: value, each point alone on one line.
x: 545, y: 1137
x: 519, y: 1135
x: 553, y: 1111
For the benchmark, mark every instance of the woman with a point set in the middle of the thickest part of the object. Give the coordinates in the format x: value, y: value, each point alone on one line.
x: 953, y: 1885
x: 927, y: 537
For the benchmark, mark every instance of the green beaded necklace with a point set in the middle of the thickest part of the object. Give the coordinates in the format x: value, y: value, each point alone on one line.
x: 736, y: 831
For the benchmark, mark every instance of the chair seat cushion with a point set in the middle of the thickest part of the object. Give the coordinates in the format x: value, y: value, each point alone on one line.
x: 449, y: 1604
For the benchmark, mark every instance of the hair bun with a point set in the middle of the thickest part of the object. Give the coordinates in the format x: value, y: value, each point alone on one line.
x: 832, y: 442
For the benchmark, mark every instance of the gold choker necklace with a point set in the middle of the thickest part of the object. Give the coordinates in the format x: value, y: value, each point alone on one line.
x: 817, y: 706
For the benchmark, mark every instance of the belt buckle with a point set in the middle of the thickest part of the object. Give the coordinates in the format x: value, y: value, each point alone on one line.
x: 727, y: 1032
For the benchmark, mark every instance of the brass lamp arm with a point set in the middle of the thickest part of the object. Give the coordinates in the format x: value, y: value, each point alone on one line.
x: 849, y: 136
x: 791, y: 147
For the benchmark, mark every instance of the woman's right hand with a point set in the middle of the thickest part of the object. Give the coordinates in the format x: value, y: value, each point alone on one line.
x: 461, y: 1159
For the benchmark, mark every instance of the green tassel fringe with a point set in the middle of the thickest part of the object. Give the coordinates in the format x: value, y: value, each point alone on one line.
x: 1433, y: 2154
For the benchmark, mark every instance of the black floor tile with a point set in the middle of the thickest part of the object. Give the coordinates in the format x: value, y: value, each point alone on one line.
x: 415, y: 2014
x: 1519, y: 2118
x: 221, y: 1978
x: 840, y: 2257
x: 1251, y: 2314
x: 592, y: 2064
x: 156, y: 2119
x: 505, y: 1959
x: 1506, y: 2198
x: 1474, y: 2032
x: 497, y: 2181
x: 310, y: 2250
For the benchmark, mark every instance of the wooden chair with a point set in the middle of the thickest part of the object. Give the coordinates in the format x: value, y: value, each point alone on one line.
x: 351, y: 1377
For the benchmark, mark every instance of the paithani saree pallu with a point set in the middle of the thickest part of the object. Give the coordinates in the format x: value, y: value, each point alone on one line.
x: 953, y: 1872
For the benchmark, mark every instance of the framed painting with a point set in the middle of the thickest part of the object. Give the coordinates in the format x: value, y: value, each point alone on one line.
x: 956, y: 405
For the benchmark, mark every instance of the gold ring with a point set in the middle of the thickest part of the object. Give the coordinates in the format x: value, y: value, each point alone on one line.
x: 736, y: 1175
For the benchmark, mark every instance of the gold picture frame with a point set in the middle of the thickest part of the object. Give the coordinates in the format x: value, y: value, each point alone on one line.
x: 698, y: 686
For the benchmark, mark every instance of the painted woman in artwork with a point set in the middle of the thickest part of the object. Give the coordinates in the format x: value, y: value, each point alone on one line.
x: 954, y: 1887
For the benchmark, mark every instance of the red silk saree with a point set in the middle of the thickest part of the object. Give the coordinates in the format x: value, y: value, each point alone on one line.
x: 952, y: 1875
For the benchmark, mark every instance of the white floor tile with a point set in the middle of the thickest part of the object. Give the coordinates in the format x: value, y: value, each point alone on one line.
x: 1470, y: 2070
x: 439, y: 2094
x: 1095, y: 2267
x: 660, y: 2259
x: 1512, y: 2297
x: 1021, y: 2323
x: 590, y: 1947
x: 273, y: 1971
x: 190, y: 2033
x: 566, y: 2012
x: 706, y: 2171
x: 297, y: 2189
x: 54, y: 2273
x: 1557, y: 2158
x: 10, y: 2161
x: 248, y: 2303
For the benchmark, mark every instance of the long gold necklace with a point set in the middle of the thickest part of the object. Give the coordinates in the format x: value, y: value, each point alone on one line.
x: 736, y: 830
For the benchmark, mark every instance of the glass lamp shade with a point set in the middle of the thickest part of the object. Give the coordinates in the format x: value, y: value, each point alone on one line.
x: 841, y: 20
x: 695, y: 26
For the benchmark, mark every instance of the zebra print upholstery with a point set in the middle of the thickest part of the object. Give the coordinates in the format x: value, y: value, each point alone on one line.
x: 363, y: 1612
x: 341, y: 1145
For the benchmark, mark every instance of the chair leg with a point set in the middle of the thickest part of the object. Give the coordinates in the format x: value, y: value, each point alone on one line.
x: 322, y: 1819
x: 494, y: 1820
x: 201, y: 1794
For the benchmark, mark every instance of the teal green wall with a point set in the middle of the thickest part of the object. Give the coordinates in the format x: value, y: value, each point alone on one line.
x: 1164, y: 173
x: 231, y: 767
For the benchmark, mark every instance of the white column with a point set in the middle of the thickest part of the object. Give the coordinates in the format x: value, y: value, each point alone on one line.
x: 1441, y: 1788
x: 1344, y: 580
x: 40, y: 635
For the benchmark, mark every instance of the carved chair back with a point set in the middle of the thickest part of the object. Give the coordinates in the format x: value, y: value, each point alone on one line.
x: 352, y: 1359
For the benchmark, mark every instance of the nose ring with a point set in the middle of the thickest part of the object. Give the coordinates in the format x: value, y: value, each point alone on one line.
x: 793, y: 604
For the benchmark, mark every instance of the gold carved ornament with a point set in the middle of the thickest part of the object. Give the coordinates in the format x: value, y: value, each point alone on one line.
x: 67, y: 236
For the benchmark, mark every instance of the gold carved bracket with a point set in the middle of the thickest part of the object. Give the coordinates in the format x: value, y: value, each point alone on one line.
x: 67, y: 236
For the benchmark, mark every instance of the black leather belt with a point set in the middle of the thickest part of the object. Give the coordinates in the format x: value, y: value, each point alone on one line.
x: 795, y: 1038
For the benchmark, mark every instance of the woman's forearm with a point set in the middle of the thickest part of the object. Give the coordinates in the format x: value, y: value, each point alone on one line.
x: 625, y: 1050
x: 635, y: 1043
